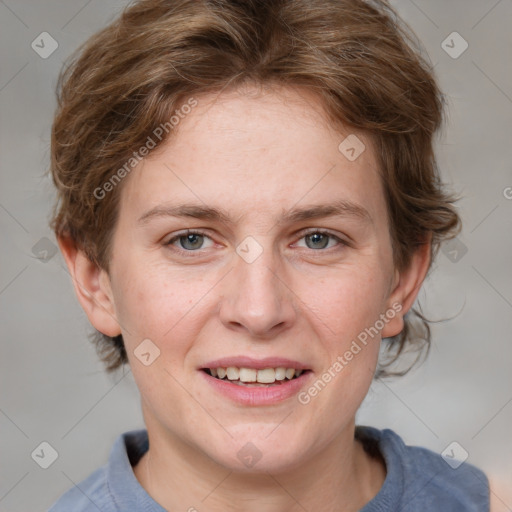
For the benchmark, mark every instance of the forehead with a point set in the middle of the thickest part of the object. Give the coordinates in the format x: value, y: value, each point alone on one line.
x: 252, y: 151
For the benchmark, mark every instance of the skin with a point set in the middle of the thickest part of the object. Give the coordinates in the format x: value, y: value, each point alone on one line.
x: 256, y: 154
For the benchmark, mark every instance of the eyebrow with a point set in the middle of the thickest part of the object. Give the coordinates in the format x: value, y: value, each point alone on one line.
x: 340, y: 208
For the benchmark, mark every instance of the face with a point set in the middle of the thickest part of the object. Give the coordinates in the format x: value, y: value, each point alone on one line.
x: 261, y: 282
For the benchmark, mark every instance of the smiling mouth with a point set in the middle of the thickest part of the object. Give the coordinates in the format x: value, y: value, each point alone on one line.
x: 250, y: 377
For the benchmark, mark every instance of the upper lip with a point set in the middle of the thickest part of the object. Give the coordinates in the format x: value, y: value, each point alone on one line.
x: 257, y: 364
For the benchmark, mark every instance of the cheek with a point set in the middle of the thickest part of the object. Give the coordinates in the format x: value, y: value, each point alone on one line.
x: 163, y: 307
x: 154, y: 302
x: 345, y: 303
x: 344, y: 310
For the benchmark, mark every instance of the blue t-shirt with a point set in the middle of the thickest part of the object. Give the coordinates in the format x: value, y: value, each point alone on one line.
x: 417, y: 480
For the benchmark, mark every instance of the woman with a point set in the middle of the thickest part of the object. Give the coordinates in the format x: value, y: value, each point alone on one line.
x: 248, y: 206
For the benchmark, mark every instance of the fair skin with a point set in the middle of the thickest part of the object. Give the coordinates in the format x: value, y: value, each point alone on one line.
x: 255, y: 156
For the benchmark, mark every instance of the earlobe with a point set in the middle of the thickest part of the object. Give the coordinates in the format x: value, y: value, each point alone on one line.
x: 92, y: 287
x: 407, y: 285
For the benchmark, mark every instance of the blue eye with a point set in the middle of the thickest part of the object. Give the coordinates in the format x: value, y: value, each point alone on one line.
x: 189, y: 241
x: 317, y: 240
x: 194, y: 239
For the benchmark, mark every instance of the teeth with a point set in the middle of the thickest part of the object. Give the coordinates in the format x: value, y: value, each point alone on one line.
x: 280, y: 373
x: 290, y: 372
x: 247, y: 375
x: 232, y: 373
x: 265, y: 376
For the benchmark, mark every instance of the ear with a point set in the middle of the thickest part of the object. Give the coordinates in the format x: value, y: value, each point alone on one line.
x: 405, y: 288
x: 92, y: 287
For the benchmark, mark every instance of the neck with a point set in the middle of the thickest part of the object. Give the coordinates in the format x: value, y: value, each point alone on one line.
x: 340, y: 477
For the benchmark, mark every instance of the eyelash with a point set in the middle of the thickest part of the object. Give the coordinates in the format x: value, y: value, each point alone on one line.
x: 190, y: 253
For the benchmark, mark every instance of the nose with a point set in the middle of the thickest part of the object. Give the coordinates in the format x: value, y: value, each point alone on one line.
x: 257, y: 299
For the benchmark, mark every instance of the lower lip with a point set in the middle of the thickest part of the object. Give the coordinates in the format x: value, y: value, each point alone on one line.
x: 258, y: 395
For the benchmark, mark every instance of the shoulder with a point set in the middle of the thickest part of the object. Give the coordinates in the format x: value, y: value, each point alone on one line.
x: 90, y: 495
x: 112, y: 487
x: 422, y: 479
x: 442, y: 480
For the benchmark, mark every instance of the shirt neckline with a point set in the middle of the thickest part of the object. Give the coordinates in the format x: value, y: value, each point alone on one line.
x: 129, y: 448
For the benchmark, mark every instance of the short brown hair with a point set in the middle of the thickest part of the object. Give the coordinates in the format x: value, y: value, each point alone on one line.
x: 362, y: 62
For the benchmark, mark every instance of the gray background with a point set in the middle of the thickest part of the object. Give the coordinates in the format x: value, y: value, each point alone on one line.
x: 53, y: 387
